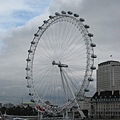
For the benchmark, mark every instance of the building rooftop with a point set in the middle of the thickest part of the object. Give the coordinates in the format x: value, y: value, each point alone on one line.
x: 107, y: 62
x: 106, y: 94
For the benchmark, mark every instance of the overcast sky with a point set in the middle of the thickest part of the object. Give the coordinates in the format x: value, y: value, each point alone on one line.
x: 19, y: 20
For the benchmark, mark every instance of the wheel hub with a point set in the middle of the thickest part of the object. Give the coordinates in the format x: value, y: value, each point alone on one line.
x: 59, y: 64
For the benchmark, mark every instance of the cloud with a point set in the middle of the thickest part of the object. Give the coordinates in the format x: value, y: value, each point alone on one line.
x: 14, y: 44
x: 65, y: 5
x: 20, y: 20
x: 103, y: 18
x: 17, y: 13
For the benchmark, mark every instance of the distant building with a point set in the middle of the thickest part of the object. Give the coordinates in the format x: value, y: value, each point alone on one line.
x: 31, y: 104
x: 105, y: 104
x: 108, y: 76
x: 48, y: 102
x: 8, y: 105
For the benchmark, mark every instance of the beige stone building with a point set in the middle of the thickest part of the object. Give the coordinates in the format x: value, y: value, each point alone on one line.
x: 105, y: 104
x: 108, y: 76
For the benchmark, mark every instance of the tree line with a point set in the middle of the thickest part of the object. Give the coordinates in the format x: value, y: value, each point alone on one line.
x: 19, y: 110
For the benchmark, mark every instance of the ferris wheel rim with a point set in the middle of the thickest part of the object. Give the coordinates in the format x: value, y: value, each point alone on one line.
x: 33, y: 47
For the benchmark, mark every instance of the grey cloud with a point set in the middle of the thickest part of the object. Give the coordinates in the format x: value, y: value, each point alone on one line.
x: 102, y: 16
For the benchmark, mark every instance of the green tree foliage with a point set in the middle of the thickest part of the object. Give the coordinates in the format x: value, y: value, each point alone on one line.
x: 19, y: 110
x: 3, y: 109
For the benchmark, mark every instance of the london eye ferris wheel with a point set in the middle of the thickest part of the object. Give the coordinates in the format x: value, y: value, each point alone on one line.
x: 60, y: 62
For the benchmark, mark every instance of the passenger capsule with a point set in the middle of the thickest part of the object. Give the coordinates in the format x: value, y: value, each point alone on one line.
x: 31, y: 94
x: 93, y: 56
x: 90, y: 79
x: 57, y: 14
x: 30, y: 51
x: 28, y: 77
x: 27, y: 69
x: 76, y: 15
x: 70, y: 13
x: 86, y: 90
x: 36, y: 35
x: 86, y: 26
x: 28, y: 59
x: 32, y: 100
x: 51, y: 17
x: 28, y: 86
x: 93, y: 45
x: 45, y: 21
x: 90, y: 34
x: 40, y: 28
x: 33, y: 42
x: 93, y: 67
x: 63, y: 12
x: 82, y: 20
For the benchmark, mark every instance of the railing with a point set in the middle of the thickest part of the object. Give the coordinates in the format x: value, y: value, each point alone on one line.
x: 60, y: 118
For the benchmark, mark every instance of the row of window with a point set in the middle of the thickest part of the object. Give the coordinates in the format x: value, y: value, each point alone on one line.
x: 109, y: 108
x: 115, y: 113
x: 107, y: 100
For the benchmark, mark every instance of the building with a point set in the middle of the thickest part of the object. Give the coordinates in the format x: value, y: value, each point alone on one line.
x: 8, y: 105
x: 106, y: 104
x: 31, y: 104
x: 108, y: 76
